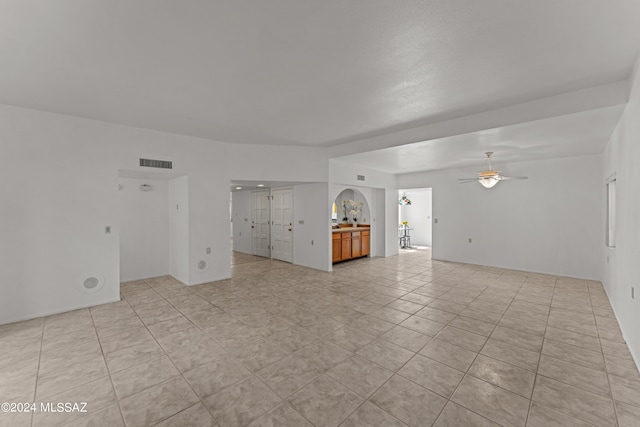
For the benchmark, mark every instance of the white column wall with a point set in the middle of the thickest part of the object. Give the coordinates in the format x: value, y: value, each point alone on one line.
x: 621, y: 272
x: 179, y: 228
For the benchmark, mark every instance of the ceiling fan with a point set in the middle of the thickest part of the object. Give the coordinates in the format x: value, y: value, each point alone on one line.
x: 489, y: 177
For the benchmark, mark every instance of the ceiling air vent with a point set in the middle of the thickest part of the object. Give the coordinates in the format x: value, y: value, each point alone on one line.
x: 150, y: 163
x: 360, y: 177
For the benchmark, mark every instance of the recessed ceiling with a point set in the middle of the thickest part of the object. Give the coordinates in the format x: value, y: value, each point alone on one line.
x: 314, y: 73
x: 575, y: 134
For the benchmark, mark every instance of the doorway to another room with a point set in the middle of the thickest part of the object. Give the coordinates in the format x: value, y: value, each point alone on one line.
x: 415, y: 214
x: 261, y: 223
x: 153, y: 225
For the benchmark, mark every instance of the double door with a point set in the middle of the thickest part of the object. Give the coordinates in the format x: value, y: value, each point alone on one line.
x: 272, y: 221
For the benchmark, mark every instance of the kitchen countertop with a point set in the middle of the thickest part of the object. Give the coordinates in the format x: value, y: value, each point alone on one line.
x: 339, y: 230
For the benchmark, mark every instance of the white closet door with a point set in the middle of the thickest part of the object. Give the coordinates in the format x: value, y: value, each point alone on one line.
x: 282, y: 224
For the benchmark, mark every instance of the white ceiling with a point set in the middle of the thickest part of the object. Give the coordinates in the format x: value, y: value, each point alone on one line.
x: 568, y: 135
x: 314, y: 73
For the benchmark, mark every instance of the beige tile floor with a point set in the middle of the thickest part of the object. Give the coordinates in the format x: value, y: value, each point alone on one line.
x: 379, y: 342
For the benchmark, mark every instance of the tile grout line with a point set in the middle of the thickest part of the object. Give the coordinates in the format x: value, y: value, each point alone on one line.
x: 606, y: 370
x: 104, y: 356
x: 535, y: 379
x: 35, y: 390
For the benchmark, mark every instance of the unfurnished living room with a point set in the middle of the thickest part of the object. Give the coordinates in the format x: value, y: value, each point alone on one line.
x: 320, y: 213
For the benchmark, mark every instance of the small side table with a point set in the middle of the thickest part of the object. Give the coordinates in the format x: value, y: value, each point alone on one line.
x: 404, y: 237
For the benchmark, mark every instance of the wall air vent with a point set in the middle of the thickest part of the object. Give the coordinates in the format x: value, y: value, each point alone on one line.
x: 360, y: 177
x: 150, y: 163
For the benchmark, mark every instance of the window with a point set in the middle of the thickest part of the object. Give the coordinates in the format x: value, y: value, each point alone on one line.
x: 611, y: 211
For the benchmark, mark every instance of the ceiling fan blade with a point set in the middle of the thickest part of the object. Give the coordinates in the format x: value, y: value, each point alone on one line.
x: 467, y: 180
x: 514, y: 177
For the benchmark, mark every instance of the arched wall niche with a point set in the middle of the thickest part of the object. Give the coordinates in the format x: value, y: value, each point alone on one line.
x: 358, y: 197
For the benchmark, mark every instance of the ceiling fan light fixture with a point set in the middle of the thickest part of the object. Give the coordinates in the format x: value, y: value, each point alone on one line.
x: 488, y: 182
x: 488, y: 178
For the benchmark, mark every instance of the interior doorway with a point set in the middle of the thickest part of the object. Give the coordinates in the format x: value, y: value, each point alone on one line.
x: 153, y: 224
x: 261, y: 223
x: 415, y: 213
x: 260, y: 227
x: 282, y: 224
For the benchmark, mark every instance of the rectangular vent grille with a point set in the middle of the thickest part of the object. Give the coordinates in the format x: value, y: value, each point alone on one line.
x: 162, y: 164
x: 360, y: 177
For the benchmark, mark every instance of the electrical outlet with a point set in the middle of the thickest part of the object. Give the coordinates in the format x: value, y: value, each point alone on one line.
x: 633, y: 293
x: 435, y: 220
x: 107, y: 229
x: 208, y: 251
x: 312, y: 243
x: 301, y: 221
x: 470, y: 240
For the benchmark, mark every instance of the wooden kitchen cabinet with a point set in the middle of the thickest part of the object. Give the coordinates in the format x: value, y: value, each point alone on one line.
x: 356, y: 244
x: 336, y: 243
x: 350, y: 244
x: 346, y: 246
x: 366, y: 242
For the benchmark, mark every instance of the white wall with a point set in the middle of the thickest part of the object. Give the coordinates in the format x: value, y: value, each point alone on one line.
x: 178, y: 207
x: 622, y: 157
x: 310, y: 208
x: 550, y: 223
x: 378, y: 239
x: 252, y: 162
x: 242, y: 232
x: 60, y: 187
x: 391, y: 221
x: 346, y: 174
x: 144, y: 229
x: 418, y: 215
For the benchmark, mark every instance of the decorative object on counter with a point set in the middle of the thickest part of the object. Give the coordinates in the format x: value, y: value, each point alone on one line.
x: 345, y: 219
x: 405, y: 223
x: 404, y: 201
x: 355, y: 209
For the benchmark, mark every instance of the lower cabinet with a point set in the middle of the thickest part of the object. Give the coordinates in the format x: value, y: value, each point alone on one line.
x: 336, y: 243
x: 356, y: 244
x: 350, y: 244
x: 346, y: 246
x: 366, y: 242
